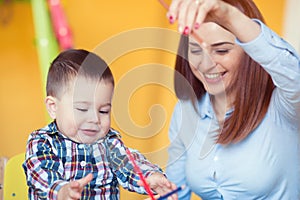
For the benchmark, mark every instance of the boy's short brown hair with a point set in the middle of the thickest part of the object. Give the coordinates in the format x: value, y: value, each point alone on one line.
x: 75, y: 62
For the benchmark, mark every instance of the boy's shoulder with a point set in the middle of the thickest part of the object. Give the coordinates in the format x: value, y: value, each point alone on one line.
x: 49, y: 129
x: 112, y: 133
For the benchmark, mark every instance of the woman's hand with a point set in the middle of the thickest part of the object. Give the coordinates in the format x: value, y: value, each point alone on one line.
x: 190, y: 14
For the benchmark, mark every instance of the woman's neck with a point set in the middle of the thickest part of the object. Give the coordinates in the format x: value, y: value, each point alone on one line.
x: 221, y: 104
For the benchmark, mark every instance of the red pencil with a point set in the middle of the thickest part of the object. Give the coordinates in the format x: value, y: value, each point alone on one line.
x: 139, y: 172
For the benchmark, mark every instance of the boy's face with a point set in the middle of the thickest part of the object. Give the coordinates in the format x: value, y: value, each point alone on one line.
x: 83, y: 112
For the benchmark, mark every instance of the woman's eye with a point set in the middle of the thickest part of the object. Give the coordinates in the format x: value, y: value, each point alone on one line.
x: 196, y: 51
x: 222, y: 51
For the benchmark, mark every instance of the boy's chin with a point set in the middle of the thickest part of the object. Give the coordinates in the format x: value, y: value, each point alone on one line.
x: 89, y: 139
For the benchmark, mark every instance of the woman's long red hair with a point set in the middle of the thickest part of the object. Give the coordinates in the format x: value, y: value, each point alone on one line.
x: 253, y: 86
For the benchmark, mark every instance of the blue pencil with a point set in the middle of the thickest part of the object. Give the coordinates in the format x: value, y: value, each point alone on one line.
x: 170, y: 193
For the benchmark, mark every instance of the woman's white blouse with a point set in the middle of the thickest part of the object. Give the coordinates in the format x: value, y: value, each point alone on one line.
x: 266, y: 165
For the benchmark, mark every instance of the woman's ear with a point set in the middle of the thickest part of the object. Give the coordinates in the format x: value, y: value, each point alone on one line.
x: 51, y: 106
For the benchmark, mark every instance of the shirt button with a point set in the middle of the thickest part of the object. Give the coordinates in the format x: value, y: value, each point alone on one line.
x: 82, y: 163
x: 214, y: 175
x: 216, y: 158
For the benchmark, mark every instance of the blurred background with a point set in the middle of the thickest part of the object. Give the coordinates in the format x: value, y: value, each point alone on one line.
x: 144, y: 97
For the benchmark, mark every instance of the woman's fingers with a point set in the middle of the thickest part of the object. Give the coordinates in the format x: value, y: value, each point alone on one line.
x: 190, y: 14
x: 182, y: 16
x: 208, y: 11
x: 185, y: 12
x: 173, y: 11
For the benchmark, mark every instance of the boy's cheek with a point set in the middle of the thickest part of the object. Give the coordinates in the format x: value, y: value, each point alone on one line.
x: 105, y: 125
x: 105, y: 120
x: 71, y: 130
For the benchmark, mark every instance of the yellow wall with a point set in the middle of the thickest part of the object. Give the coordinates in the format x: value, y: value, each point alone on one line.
x: 93, y: 22
x: 273, y: 11
x: 21, y: 97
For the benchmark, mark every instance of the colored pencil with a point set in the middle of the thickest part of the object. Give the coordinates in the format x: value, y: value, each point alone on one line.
x: 139, y: 172
x: 170, y: 193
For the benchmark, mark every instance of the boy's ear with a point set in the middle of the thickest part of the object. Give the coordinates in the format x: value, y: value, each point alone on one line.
x: 51, y: 106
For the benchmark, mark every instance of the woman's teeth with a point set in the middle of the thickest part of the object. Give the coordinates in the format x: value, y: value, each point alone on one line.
x: 212, y: 76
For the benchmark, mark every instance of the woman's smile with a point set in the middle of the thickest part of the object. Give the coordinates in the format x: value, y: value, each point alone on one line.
x: 214, y: 77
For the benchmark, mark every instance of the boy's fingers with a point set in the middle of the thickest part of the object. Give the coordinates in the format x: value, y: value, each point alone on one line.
x: 156, y: 197
x: 140, y: 183
x: 74, y: 185
x: 85, y: 180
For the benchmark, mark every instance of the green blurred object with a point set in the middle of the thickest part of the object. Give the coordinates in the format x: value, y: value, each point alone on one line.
x: 11, y: 1
x: 46, y: 43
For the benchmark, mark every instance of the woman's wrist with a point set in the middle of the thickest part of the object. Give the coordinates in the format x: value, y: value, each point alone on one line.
x: 240, y: 25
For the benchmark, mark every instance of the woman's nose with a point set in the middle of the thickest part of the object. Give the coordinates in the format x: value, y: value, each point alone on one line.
x: 207, y: 62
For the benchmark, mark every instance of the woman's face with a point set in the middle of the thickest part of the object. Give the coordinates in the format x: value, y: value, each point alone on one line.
x: 215, y: 60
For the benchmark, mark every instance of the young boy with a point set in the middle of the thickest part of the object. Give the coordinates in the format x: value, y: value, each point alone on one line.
x: 78, y: 155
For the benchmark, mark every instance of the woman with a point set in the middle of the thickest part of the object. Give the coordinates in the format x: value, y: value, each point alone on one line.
x: 235, y: 130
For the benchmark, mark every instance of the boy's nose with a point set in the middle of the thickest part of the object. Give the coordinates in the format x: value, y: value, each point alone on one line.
x: 93, y: 116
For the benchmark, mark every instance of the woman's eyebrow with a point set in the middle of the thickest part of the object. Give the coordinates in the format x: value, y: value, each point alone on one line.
x: 213, y: 45
x: 221, y: 43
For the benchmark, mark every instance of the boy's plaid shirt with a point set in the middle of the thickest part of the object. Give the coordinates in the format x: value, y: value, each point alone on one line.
x: 52, y: 160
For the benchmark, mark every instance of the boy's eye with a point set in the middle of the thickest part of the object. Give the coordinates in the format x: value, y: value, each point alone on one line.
x: 82, y: 109
x: 103, y: 112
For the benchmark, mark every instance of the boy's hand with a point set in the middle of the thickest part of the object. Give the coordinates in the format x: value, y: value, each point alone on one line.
x: 156, y: 197
x: 73, y: 190
x: 161, y: 185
